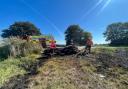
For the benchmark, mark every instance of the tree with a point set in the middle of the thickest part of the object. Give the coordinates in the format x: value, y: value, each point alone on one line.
x: 117, y: 34
x: 76, y: 34
x: 20, y: 29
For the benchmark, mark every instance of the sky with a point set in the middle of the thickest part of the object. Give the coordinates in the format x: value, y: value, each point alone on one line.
x: 54, y: 16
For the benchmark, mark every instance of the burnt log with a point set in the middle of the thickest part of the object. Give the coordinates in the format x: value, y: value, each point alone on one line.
x: 68, y: 50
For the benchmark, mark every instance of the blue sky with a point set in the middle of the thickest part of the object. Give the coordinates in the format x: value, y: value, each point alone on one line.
x: 54, y: 16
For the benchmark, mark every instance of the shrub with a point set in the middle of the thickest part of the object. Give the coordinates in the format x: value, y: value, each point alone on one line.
x: 15, y: 47
x: 4, y: 52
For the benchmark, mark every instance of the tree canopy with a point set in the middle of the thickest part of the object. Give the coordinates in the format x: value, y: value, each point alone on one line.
x: 20, y: 29
x: 117, y: 34
x: 76, y: 34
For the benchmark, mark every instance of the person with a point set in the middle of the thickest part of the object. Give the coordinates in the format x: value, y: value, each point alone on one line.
x: 53, y: 45
x: 89, y: 44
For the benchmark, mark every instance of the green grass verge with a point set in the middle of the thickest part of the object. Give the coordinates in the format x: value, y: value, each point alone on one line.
x: 10, y: 67
x: 109, y: 50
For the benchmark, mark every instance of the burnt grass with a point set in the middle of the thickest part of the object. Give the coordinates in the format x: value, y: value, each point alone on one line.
x: 114, y: 66
x: 118, y: 59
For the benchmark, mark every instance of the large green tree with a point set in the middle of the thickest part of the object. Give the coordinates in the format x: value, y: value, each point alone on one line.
x: 117, y: 34
x: 20, y: 29
x: 76, y: 34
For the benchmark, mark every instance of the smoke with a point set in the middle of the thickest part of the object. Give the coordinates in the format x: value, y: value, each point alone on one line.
x: 40, y: 15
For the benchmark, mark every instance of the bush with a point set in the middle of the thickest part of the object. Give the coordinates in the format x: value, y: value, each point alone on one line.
x: 4, y: 52
x: 15, y: 47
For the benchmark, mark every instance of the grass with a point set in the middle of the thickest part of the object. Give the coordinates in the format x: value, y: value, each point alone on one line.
x: 115, y: 71
x: 109, y: 49
x: 68, y: 73
x: 72, y: 73
x: 14, y: 54
x: 10, y: 67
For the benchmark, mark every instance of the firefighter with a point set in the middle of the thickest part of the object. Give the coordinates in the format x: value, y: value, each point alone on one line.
x: 89, y: 44
x: 53, y: 45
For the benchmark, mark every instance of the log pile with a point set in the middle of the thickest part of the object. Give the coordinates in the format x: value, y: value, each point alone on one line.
x: 68, y: 50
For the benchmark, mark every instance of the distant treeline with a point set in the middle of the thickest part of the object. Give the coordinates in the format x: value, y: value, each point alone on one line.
x: 116, y: 33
